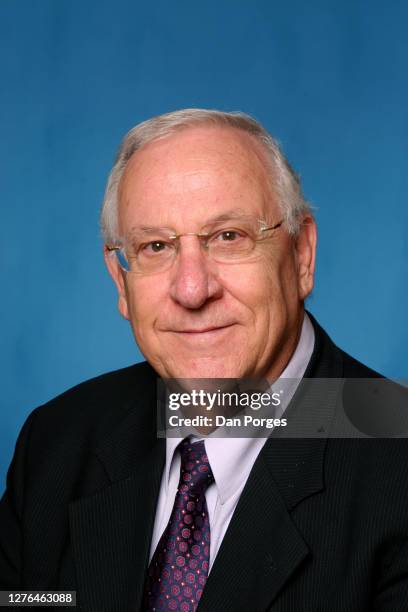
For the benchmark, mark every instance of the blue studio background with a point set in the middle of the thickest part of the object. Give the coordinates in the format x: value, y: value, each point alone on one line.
x: 327, y: 78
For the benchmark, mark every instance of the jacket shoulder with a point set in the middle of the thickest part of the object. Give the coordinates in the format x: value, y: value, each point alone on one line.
x: 97, y: 404
x: 352, y: 368
x: 330, y: 361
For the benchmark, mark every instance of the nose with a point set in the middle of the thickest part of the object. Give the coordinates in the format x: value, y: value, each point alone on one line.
x: 194, y: 279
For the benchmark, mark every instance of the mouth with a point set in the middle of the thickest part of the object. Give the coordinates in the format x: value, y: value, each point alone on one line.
x: 203, y: 330
x: 210, y: 332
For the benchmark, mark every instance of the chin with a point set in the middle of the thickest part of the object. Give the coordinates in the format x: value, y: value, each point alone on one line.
x: 206, y: 368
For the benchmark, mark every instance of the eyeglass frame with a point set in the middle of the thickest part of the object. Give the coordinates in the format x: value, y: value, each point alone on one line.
x: 176, y: 237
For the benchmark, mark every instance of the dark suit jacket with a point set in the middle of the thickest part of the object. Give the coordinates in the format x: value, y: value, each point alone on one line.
x: 322, y: 524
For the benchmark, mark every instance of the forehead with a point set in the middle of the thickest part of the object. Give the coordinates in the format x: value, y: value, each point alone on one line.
x: 193, y: 175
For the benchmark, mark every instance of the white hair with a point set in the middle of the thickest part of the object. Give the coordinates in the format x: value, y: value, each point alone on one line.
x: 285, y: 181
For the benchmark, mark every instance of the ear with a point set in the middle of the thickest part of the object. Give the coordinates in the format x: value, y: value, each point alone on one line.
x: 119, y: 278
x: 306, y: 256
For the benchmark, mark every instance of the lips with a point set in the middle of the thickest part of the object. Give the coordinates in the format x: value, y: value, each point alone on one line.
x: 202, y: 330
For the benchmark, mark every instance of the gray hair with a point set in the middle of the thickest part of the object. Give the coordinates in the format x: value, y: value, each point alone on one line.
x: 285, y: 181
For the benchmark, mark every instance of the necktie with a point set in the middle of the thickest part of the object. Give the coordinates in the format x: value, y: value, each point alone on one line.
x: 179, y: 567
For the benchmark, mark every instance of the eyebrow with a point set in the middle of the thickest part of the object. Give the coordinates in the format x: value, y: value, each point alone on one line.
x: 227, y: 216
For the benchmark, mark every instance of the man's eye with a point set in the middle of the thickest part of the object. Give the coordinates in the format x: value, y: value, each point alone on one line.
x: 156, y: 246
x: 229, y: 235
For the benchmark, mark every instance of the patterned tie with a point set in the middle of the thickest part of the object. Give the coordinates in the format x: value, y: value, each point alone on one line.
x: 179, y: 567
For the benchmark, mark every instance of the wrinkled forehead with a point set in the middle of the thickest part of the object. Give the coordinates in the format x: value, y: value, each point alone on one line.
x: 195, y: 173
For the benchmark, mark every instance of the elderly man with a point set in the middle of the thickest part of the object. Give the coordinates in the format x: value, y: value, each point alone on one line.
x: 211, y: 246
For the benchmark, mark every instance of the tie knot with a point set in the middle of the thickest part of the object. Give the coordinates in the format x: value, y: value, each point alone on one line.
x: 195, y: 474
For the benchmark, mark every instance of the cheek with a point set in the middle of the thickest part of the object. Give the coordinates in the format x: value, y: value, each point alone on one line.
x: 145, y: 298
x: 269, y: 291
x: 253, y: 287
x: 263, y: 281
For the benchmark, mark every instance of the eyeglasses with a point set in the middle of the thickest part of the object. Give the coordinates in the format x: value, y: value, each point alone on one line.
x: 150, y: 250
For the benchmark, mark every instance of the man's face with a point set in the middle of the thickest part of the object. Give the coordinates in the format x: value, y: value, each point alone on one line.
x: 201, y: 318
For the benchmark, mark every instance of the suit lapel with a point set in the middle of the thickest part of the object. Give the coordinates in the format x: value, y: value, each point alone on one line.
x: 111, y: 528
x: 260, y: 550
x: 111, y: 533
x: 263, y: 547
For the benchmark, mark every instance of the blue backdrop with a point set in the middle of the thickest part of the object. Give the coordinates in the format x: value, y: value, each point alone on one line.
x: 327, y: 78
